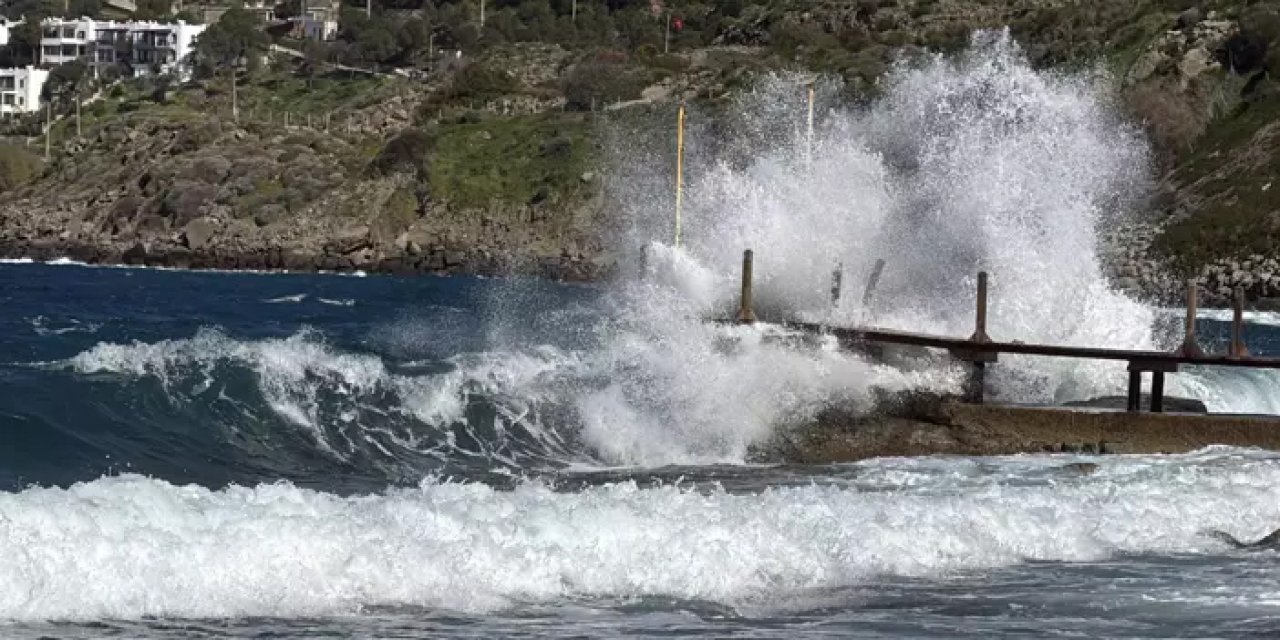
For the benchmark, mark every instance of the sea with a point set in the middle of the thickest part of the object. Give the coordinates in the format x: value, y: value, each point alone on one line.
x: 271, y: 455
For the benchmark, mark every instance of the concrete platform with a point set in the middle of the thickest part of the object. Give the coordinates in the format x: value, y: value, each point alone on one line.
x: 952, y: 427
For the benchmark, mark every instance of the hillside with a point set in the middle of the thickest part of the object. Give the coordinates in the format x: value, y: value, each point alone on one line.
x: 475, y: 150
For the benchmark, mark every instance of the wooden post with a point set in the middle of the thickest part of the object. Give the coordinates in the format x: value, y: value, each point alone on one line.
x: 644, y: 260
x: 679, y: 170
x: 286, y: 118
x: 1157, y: 392
x: 79, y: 132
x: 980, y: 322
x: 1189, y: 346
x: 872, y: 282
x: 326, y: 120
x: 1135, y: 390
x: 745, y: 314
x: 1238, y: 350
x: 308, y: 121
x: 837, y: 279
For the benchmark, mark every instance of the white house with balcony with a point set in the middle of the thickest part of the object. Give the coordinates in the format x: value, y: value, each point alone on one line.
x: 20, y: 89
x: 144, y: 47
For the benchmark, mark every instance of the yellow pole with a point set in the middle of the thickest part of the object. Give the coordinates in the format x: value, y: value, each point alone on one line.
x: 679, y: 170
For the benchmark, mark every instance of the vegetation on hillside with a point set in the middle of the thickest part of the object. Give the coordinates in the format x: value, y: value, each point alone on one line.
x: 457, y: 115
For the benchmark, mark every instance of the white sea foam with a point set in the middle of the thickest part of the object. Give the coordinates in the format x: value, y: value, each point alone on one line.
x: 1264, y: 318
x: 297, y: 297
x: 44, y: 326
x: 127, y: 547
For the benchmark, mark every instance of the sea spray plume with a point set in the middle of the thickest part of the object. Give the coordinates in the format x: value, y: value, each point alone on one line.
x: 682, y: 390
x: 964, y: 163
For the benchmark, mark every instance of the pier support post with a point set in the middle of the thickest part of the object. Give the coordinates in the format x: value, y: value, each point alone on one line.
x: 1135, y: 391
x: 980, y: 322
x: 1238, y: 350
x: 745, y: 314
x: 872, y: 282
x: 837, y: 281
x: 1157, y: 392
x: 1190, y: 348
x: 977, y: 382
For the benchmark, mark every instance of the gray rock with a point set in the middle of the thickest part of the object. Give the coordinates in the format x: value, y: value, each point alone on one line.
x: 1190, y: 18
x: 197, y: 234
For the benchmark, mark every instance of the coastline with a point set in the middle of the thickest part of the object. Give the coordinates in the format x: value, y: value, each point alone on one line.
x: 281, y: 260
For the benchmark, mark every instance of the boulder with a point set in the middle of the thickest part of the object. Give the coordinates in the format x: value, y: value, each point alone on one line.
x: 197, y: 234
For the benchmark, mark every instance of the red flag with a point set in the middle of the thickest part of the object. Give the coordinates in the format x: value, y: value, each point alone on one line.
x: 677, y: 24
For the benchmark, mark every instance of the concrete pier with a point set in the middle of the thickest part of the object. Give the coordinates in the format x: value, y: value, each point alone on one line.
x: 956, y: 428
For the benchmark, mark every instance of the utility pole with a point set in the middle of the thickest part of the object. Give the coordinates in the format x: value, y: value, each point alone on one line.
x: 235, y: 106
x: 368, y: 9
x: 48, y: 128
x: 666, y: 36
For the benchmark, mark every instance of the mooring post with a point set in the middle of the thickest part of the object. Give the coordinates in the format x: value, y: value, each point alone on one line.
x: 745, y: 314
x: 872, y: 282
x: 1238, y: 350
x: 1157, y: 392
x: 837, y: 279
x: 1189, y: 346
x: 644, y: 260
x: 1135, y: 390
x: 980, y: 322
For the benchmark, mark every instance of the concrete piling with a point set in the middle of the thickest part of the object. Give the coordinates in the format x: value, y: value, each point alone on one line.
x: 980, y: 319
x: 745, y: 313
x: 1190, y: 347
x: 837, y: 279
x: 872, y: 282
x: 1238, y: 350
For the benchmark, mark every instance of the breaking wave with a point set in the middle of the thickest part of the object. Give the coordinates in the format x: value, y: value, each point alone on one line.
x: 128, y: 547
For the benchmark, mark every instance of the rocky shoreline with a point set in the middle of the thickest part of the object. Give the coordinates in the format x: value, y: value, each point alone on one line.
x: 433, y: 261
x: 1132, y: 267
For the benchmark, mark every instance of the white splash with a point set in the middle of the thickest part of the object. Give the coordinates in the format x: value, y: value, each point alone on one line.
x: 127, y: 547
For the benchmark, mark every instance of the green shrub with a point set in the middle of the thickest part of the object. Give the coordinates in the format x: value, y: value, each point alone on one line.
x: 17, y: 166
x: 406, y: 152
x: 592, y: 84
x: 480, y: 82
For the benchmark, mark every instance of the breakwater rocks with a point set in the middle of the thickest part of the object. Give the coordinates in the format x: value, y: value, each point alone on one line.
x: 1132, y: 267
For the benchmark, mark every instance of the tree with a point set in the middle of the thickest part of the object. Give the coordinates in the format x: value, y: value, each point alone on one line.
x: 314, y: 54
x: 153, y: 9
x: 235, y: 36
x: 27, y: 35
x: 65, y: 81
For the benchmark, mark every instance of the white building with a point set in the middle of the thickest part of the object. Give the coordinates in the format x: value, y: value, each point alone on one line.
x: 5, y: 27
x: 146, y: 47
x: 20, y: 89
